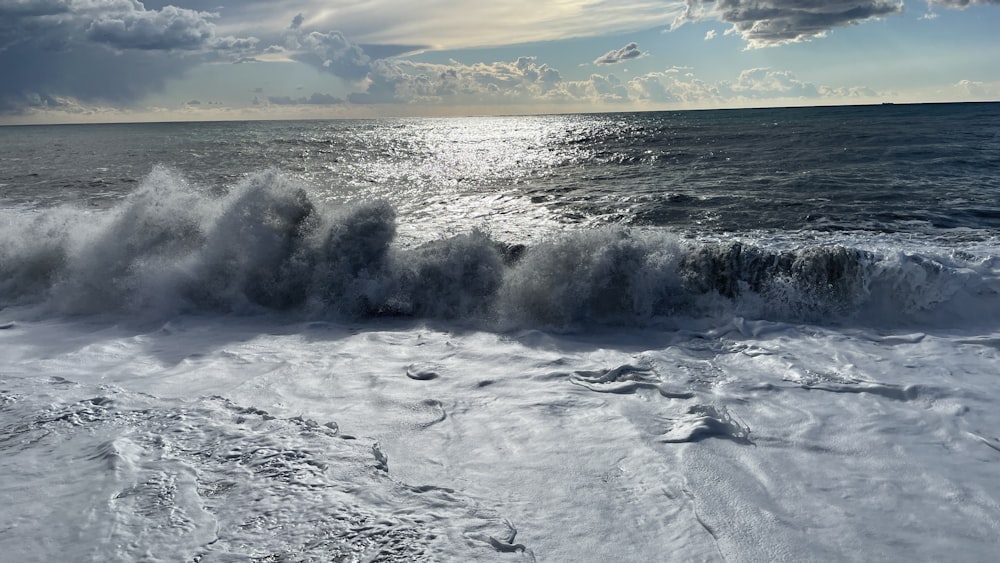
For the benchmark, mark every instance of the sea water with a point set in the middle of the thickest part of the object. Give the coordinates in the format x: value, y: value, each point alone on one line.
x: 748, y: 335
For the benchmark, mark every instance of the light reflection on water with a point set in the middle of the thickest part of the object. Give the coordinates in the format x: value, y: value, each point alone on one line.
x: 450, y: 175
x: 826, y: 169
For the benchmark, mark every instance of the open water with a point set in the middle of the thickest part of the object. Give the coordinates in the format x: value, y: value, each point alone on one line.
x: 720, y: 335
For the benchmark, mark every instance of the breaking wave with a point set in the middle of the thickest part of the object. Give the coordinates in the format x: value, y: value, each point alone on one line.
x: 168, y: 248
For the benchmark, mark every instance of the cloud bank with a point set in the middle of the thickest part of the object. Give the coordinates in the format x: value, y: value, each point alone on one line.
x: 317, y: 98
x: 526, y: 81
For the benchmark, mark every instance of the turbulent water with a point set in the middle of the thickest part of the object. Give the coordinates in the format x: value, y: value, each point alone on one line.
x: 728, y: 335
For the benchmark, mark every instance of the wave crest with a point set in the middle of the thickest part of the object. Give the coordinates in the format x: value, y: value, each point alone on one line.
x: 169, y: 248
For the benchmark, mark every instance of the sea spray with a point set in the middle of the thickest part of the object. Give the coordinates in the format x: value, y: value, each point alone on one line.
x: 351, y: 267
x: 452, y: 278
x: 603, y: 275
x: 250, y: 249
x: 266, y: 245
x: 120, y: 259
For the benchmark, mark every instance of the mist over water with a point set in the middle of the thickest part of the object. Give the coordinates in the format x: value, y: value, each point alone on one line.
x: 691, y: 336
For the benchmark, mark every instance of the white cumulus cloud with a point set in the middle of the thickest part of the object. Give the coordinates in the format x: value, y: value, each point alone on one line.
x: 525, y: 81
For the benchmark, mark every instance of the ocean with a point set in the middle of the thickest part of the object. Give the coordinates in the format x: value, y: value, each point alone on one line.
x: 734, y: 335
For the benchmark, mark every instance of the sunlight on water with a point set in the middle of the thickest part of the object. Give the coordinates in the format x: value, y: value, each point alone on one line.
x: 451, y: 175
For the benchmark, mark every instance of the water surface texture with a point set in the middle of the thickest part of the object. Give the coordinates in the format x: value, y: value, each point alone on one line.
x: 743, y: 335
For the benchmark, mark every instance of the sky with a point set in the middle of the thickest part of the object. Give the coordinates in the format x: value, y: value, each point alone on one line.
x: 65, y: 61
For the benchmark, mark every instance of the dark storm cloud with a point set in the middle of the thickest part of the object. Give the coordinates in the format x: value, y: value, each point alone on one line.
x: 773, y: 22
x: 86, y: 73
x: 9, y: 8
x: 31, y: 20
x: 626, y: 53
x: 60, y: 53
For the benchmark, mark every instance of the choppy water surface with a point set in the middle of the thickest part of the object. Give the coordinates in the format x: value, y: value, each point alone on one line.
x: 883, y: 168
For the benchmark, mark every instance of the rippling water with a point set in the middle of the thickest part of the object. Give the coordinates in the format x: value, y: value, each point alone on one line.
x: 882, y: 168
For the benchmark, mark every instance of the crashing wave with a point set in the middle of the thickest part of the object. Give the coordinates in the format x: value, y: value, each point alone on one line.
x: 168, y: 248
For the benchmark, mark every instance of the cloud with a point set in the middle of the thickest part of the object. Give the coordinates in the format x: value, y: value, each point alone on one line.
x: 315, y: 99
x: 32, y: 8
x: 626, y: 53
x: 710, y: 35
x: 526, y: 81
x: 520, y: 81
x: 235, y: 45
x: 751, y: 87
x: 22, y: 8
x: 962, y: 4
x: 598, y: 89
x: 334, y: 53
x: 456, y: 25
x: 673, y: 85
x: 74, y: 54
x: 763, y: 23
x: 652, y: 88
x: 85, y: 73
x: 101, y: 51
x: 978, y: 89
x: 767, y: 83
x: 166, y: 29
x: 402, y: 81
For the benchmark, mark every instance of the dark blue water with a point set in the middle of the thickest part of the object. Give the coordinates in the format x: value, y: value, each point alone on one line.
x: 883, y: 168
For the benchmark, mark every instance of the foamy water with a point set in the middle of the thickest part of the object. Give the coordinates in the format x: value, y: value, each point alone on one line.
x: 409, y: 441
x: 539, y: 346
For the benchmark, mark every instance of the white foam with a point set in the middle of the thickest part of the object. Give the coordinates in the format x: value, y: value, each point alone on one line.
x: 800, y: 443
